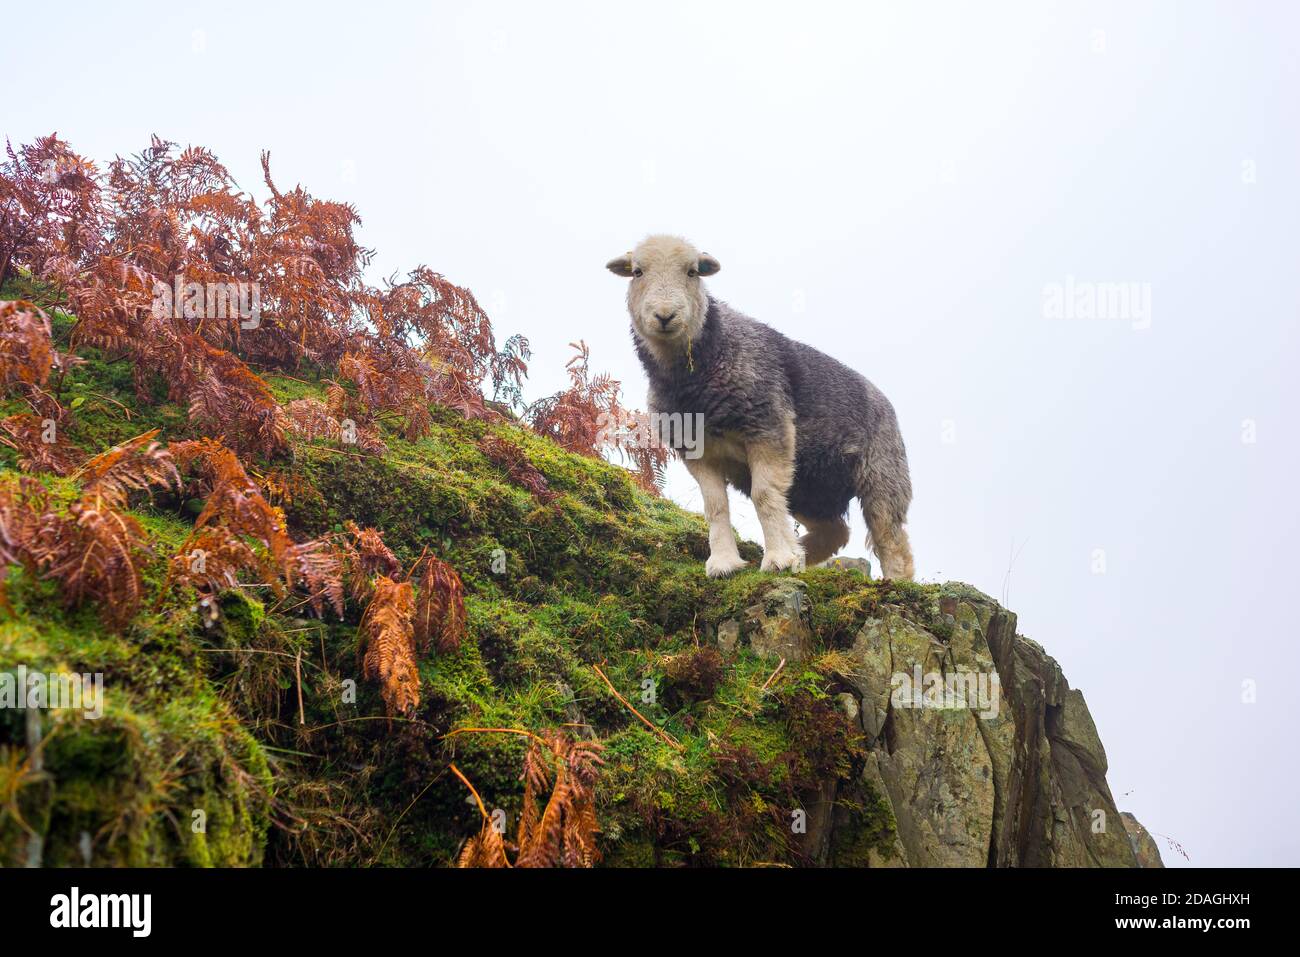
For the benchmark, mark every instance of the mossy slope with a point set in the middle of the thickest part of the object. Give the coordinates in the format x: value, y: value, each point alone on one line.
x: 260, y: 719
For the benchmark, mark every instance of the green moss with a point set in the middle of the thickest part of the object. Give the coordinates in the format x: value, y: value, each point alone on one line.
x: 866, y: 833
x: 124, y: 782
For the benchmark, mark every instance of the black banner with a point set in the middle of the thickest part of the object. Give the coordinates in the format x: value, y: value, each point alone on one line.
x: 941, y: 907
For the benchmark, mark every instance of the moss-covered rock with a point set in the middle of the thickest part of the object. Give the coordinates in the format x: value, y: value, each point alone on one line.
x: 242, y: 732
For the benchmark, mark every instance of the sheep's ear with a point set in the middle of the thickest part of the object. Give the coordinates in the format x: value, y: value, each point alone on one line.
x: 708, y: 265
x: 622, y: 266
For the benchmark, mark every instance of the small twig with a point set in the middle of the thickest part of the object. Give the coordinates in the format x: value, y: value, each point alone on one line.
x: 416, y: 564
x: 771, y: 678
x: 106, y: 398
x: 644, y: 720
x: 297, y: 671
x: 301, y: 754
x: 481, y: 809
x: 1006, y: 579
x: 250, y: 651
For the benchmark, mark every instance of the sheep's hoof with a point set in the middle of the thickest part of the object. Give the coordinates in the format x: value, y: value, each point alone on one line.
x: 719, y: 566
x: 791, y: 560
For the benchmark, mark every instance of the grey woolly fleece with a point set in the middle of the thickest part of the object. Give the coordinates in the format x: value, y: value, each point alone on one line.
x: 748, y: 379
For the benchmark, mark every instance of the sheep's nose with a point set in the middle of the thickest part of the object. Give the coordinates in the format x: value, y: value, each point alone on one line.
x: 664, y: 320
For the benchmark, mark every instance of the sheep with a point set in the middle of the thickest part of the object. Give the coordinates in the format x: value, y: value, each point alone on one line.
x: 792, y: 428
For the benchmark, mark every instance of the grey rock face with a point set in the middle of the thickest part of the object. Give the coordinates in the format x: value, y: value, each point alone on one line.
x: 980, y: 753
x: 1144, y: 846
x: 777, y: 627
x: 859, y: 564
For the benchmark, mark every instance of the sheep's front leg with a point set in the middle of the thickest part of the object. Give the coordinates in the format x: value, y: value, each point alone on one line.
x: 771, y: 467
x: 724, y: 557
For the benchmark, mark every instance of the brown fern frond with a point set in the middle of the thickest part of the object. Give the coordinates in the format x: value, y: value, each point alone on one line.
x: 138, y: 464
x: 318, y: 567
x: 50, y: 207
x: 94, y: 554
x: 588, y: 418
x: 28, y: 434
x: 564, y: 834
x: 579, y: 836
x: 511, y: 458
x: 22, y: 505
x: 388, y: 378
x: 311, y: 420
x: 545, y: 841
x: 536, y: 782
x: 388, y: 646
x: 366, y: 556
x: 487, y: 848
x: 93, y: 551
x: 336, y: 400
x: 439, y: 607
x: 26, y: 352
x: 561, y: 833
x: 228, y: 398
x: 283, y: 487
x: 237, y: 517
x: 235, y: 502
x: 212, y: 559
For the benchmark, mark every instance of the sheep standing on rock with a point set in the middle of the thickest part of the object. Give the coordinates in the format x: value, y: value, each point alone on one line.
x: 792, y: 428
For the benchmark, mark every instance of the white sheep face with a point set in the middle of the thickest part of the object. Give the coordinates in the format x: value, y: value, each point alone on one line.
x: 666, y: 298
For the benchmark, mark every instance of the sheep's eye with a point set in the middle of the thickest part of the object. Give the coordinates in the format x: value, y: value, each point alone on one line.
x: 692, y: 273
x: 636, y: 272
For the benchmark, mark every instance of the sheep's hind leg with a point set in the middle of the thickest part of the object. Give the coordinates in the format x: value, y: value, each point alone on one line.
x: 824, y: 538
x: 724, y: 556
x: 772, y: 469
x: 889, y: 541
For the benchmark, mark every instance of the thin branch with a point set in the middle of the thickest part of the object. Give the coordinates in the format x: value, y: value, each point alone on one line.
x: 646, y: 721
x: 297, y: 671
x: 771, y: 678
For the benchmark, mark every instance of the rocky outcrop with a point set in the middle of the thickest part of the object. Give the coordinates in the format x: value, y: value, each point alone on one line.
x: 980, y: 753
x: 1144, y: 845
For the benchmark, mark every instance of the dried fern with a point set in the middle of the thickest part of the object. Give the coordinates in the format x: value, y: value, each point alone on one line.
x: 240, y: 531
x: 579, y: 418
x: 388, y: 645
x: 439, y: 607
x: 95, y: 555
x: 561, y: 832
x: 138, y: 464
x: 27, y: 434
x: 26, y: 352
x: 511, y: 458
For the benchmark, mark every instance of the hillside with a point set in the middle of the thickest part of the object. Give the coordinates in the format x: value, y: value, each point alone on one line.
x: 745, y: 722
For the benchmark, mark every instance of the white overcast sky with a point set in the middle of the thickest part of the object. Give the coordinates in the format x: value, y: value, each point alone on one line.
x: 895, y: 184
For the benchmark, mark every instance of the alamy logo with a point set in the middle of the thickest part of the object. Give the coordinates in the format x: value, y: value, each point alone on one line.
x: 209, y: 300
x: 103, y: 910
x: 958, y: 689
x: 55, y: 691
x: 673, y: 430
x: 1073, y: 299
